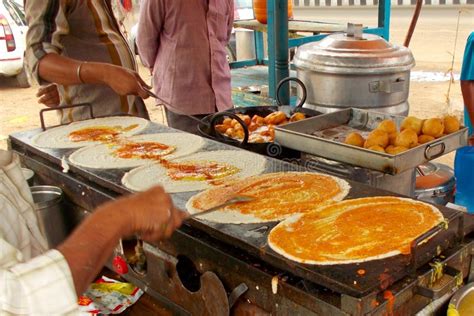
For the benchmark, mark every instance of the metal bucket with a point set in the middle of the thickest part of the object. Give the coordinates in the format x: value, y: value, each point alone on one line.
x: 51, y: 220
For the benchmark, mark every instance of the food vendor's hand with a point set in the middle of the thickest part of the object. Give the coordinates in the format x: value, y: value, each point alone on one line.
x: 125, y: 82
x: 152, y: 215
x: 48, y: 95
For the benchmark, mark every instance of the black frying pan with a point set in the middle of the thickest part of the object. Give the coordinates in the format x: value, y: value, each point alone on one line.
x: 207, y: 125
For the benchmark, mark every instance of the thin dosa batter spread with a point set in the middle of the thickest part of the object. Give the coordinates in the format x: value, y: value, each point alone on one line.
x: 354, y: 231
x: 90, y: 132
x: 195, y: 172
x: 277, y: 196
x: 137, y: 150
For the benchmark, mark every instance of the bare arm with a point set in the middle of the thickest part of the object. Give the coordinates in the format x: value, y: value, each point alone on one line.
x: 63, y: 70
x: 467, y: 89
x: 151, y: 215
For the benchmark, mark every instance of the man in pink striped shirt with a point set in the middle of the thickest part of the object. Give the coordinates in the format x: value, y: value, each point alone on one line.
x: 183, y: 43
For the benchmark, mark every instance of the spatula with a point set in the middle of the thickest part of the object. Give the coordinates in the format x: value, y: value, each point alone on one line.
x: 233, y: 200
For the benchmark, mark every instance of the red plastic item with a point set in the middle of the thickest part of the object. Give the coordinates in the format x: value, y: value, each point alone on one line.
x: 127, y: 5
x: 120, y: 265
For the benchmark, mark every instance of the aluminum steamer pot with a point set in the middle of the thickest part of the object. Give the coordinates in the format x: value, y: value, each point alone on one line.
x: 355, y: 70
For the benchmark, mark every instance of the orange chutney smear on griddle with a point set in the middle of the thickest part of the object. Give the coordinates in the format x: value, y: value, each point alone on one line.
x: 366, y: 230
x: 142, y: 150
x: 279, y: 195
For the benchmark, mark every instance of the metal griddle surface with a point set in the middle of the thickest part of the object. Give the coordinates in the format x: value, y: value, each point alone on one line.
x: 252, y: 238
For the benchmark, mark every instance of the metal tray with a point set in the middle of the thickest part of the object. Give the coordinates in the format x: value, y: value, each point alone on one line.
x: 324, y: 136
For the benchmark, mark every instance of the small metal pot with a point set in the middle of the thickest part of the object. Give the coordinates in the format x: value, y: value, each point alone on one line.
x: 355, y: 70
x: 51, y: 220
x: 462, y: 302
x: 435, y: 183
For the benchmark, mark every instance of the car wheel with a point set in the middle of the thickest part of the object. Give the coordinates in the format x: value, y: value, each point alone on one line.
x: 24, y: 78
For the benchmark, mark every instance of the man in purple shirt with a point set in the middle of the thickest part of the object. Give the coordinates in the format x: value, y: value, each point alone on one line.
x: 183, y: 43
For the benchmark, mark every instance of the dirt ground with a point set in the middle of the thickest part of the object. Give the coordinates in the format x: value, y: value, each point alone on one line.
x: 432, y: 46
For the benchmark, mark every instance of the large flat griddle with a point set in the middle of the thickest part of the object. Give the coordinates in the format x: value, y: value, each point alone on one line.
x: 252, y: 238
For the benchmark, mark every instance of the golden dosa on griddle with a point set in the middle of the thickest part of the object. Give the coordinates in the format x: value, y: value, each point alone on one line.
x: 354, y: 231
x: 277, y: 196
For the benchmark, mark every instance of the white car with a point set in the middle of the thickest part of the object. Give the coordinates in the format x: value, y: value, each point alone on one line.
x: 13, y: 42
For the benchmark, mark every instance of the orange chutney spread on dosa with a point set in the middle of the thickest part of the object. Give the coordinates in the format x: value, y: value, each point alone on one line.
x: 99, y: 133
x: 198, y: 170
x: 143, y: 150
x: 354, y: 230
x: 277, y: 195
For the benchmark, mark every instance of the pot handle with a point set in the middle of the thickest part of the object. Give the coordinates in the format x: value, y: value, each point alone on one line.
x: 220, y: 115
x: 299, y: 82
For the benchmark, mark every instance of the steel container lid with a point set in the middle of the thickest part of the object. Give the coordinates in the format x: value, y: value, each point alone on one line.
x: 353, y: 53
x: 434, y: 178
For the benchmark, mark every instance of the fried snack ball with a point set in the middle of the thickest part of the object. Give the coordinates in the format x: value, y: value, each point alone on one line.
x: 239, y: 134
x: 355, y: 139
x: 221, y: 128
x: 275, y: 118
x: 257, y: 119
x: 376, y: 138
x: 392, y: 137
x: 433, y: 127
x: 393, y: 150
x: 298, y: 116
x: 253, y: 127
x: 377, y: 148
x: 283, y: 122
x: 387, y: 126
x: 245, y: 118
x: 238, y: 127
x: 407, y: 138
x: 234, y: 122
x: 451, y: 124
x: 227, y: 121
x: 412, y: 123
x: 230, y: 132
x: 422, y: 139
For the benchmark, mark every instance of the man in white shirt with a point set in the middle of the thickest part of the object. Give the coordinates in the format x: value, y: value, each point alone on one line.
x: 33, y: 281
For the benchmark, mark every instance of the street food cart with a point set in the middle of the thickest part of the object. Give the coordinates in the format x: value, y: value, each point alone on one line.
x: 209, y: 268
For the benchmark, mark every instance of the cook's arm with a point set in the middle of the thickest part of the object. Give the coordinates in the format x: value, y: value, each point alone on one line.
x: 150, y: 215
x: 152, y: 15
